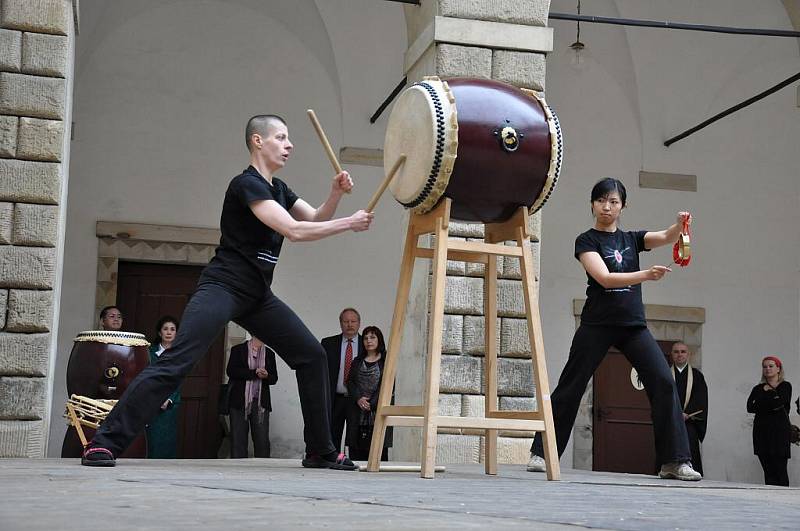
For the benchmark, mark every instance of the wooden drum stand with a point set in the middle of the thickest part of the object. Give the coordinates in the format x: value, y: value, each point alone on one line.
x: 436, y: 222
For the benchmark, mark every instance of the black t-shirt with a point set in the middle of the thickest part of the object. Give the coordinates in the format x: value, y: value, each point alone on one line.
x: 620, y: 251
x: 248, y: 250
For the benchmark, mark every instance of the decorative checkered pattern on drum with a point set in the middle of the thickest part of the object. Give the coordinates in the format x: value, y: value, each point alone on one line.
x: 437, y: 159
x: 559, y: 159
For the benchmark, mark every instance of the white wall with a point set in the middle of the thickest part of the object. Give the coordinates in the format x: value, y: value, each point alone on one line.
x: 162, y: 91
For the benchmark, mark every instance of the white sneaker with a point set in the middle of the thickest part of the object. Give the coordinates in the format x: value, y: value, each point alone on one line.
x: 681, y: 471
x: 537, y: 464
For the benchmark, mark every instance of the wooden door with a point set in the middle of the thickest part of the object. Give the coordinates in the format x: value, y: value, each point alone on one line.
x: 146, y: 292
x: 623, y: 439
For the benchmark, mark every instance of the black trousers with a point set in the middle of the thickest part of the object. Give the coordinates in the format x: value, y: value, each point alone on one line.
x: 257, y: 425
x: 208, y: 312
x: 694, y: 446
x: 339, y: 412
x: 589, y: 347
x: 775, y: 470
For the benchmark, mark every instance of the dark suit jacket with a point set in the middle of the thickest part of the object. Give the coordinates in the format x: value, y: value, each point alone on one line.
x: 239, y: 372
x: 333, y: 349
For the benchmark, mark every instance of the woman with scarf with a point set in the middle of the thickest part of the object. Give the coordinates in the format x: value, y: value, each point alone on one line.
x: 364, y: 386
x: 251, y: 370
x: 162, y: 432
x: 770, y: 401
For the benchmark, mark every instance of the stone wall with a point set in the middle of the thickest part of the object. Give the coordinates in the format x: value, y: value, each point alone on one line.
x: 467, y: 38
x: 35, y: 61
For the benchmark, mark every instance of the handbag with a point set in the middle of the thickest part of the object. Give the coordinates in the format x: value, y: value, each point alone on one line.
x: 224, y: 399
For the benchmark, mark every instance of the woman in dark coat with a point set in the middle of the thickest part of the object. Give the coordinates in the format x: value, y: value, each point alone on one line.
x: 162, y: 432
x: 251, y: 370
x: 364, y: 386
x: 769, y: 400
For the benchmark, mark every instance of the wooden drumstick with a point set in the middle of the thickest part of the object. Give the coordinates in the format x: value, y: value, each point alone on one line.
x: 324, y: 139
x: 379, y: 192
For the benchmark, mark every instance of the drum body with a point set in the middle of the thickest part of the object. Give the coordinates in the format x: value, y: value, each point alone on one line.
x: 489, y: 146
x: 101, y: 365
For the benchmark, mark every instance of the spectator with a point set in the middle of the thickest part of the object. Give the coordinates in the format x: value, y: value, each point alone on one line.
x: 769, y: 400
x: 364, y: 386
x: 693, y: 398
x: 341, y: 350
x: 251, y: 370
x: 162, y: 432
x: 110, y: 318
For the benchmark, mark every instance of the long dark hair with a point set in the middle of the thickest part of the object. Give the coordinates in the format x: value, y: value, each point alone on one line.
x: 603, y: 187
x: 377, y: 331
x: 161, y: 322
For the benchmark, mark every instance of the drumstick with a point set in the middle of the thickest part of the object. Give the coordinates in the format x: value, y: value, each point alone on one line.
x: 690, y: 415
x: 379, y: 192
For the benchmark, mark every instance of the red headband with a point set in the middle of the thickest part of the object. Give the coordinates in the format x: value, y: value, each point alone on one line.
x: 776, y: 359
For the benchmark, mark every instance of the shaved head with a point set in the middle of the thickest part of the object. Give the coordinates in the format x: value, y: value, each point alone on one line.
x: 261, y: 124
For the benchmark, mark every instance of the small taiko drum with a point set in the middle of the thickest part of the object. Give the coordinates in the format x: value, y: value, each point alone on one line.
x: 489, y: 146
x: 101, y: 366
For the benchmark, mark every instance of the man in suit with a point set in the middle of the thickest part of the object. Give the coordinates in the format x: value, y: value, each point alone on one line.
x: 341, y: 350
x: 693, y: 396
x: 251, y: 370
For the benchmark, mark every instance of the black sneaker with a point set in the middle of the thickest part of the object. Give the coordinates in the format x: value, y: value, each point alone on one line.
x: 96, y: 456
x: 342, y: 462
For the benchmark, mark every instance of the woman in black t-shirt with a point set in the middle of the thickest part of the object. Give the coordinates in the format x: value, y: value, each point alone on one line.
x: 614, y: 316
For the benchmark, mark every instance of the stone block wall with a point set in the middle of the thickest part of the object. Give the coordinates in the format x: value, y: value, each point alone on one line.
x: 35, y: 61
x: 462, y: 381
x: 471, y: 45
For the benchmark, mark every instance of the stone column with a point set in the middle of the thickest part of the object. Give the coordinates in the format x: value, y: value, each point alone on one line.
x: 504, y: 40
x: 36, y: 56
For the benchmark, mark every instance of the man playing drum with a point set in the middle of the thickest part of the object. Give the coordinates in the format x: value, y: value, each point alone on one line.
x: 258, y: 212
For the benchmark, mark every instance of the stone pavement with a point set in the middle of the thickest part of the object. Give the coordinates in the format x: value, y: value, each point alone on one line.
x: 58, y: 494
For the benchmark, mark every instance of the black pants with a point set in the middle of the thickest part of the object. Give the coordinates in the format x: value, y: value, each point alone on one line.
x: 208, y: 311
x: 255, y: 424
x: 694, y: 446
x: 775, y: 470
x: 339, y: 412
x: 589, y: 347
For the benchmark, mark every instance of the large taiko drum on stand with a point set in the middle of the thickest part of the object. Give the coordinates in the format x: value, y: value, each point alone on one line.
x: 101, y: 366
x: 489, y: 146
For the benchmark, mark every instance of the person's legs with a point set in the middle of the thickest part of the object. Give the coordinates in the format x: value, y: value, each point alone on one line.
x: 589, y: 347
x: 781, y: 467
x: 259, y: 427
x: 765, y: 465
x: 642, y: 351
x: 775, y: 470
x: 694, y: 447
x: 239, y: 429
x: 353, y: 430
x: 338, y: 417
x: 279, y: 327
x: 209, y: 309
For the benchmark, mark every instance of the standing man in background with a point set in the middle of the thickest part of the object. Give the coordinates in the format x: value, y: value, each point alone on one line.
x: 693, y: 396
x: 341, y: 350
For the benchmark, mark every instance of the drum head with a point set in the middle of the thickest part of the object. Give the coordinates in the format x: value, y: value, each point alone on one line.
x: 128, y: 339
x: 424, y: 127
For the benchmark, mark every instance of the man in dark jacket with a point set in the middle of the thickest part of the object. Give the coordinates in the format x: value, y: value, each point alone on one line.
x: 251, y: 370
x: 693, y: 396
x: 341, y: 350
